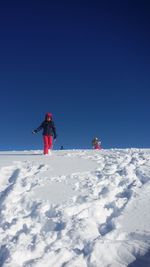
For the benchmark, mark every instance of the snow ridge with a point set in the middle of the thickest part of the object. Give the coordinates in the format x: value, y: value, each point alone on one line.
x: 94, y: 216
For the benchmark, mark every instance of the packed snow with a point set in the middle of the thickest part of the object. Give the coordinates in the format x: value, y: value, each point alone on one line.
x: 75, y: 208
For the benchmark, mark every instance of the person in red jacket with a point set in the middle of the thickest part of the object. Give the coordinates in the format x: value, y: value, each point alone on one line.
x: 49, y: 132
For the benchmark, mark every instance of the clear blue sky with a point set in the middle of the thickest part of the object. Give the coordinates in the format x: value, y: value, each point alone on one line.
x: 87, y: 62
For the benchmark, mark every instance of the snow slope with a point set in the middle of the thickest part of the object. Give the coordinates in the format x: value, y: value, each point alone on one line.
x: 79, y: 208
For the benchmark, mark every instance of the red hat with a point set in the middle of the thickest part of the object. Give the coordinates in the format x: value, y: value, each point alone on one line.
x: 48, y: 115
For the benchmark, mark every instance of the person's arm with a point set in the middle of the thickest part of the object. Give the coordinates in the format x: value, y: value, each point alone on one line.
x: 93, y: 143
x: 38, y: 129
x: 54, y: 130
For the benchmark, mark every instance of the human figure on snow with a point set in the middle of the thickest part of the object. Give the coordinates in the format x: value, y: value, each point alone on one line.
x: 96, y: 143
x: 49, y: 132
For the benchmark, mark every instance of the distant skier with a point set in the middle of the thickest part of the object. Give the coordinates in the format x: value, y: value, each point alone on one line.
x: 62, y: 148
x: 49, y: 132
x: 96, y: 143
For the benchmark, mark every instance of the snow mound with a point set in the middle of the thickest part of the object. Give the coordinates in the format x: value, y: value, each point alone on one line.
x: 80, y: 208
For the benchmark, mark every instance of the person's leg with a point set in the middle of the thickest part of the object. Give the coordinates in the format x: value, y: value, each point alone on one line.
x: 50, y: 142
x: 97, y: 146
x: 45, y: 140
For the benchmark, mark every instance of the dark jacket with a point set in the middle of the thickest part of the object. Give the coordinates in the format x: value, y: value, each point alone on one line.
x: 48, y: 128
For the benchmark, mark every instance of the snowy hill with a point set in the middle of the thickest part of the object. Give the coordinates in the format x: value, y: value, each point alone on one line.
x: 79, y: 208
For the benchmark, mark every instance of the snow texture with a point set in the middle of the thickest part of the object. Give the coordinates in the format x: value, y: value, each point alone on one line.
x: 75, y: 208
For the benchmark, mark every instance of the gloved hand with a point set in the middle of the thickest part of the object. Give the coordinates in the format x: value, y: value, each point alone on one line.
x: 55, y: 136
x: 34, y: 132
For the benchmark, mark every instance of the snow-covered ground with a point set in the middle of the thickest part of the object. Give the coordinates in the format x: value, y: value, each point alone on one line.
x: 79, y: 208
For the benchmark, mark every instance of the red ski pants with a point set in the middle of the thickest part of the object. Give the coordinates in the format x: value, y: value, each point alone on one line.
x: 48, y: 142
x: 97, y: 146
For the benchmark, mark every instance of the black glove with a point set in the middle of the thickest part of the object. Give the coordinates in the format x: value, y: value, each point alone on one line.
x: 55, y: 136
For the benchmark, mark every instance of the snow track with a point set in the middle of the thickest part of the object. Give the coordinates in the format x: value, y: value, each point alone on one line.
x: 76, y: 208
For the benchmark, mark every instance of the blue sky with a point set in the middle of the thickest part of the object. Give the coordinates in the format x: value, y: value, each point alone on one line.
x: 87, y: 62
